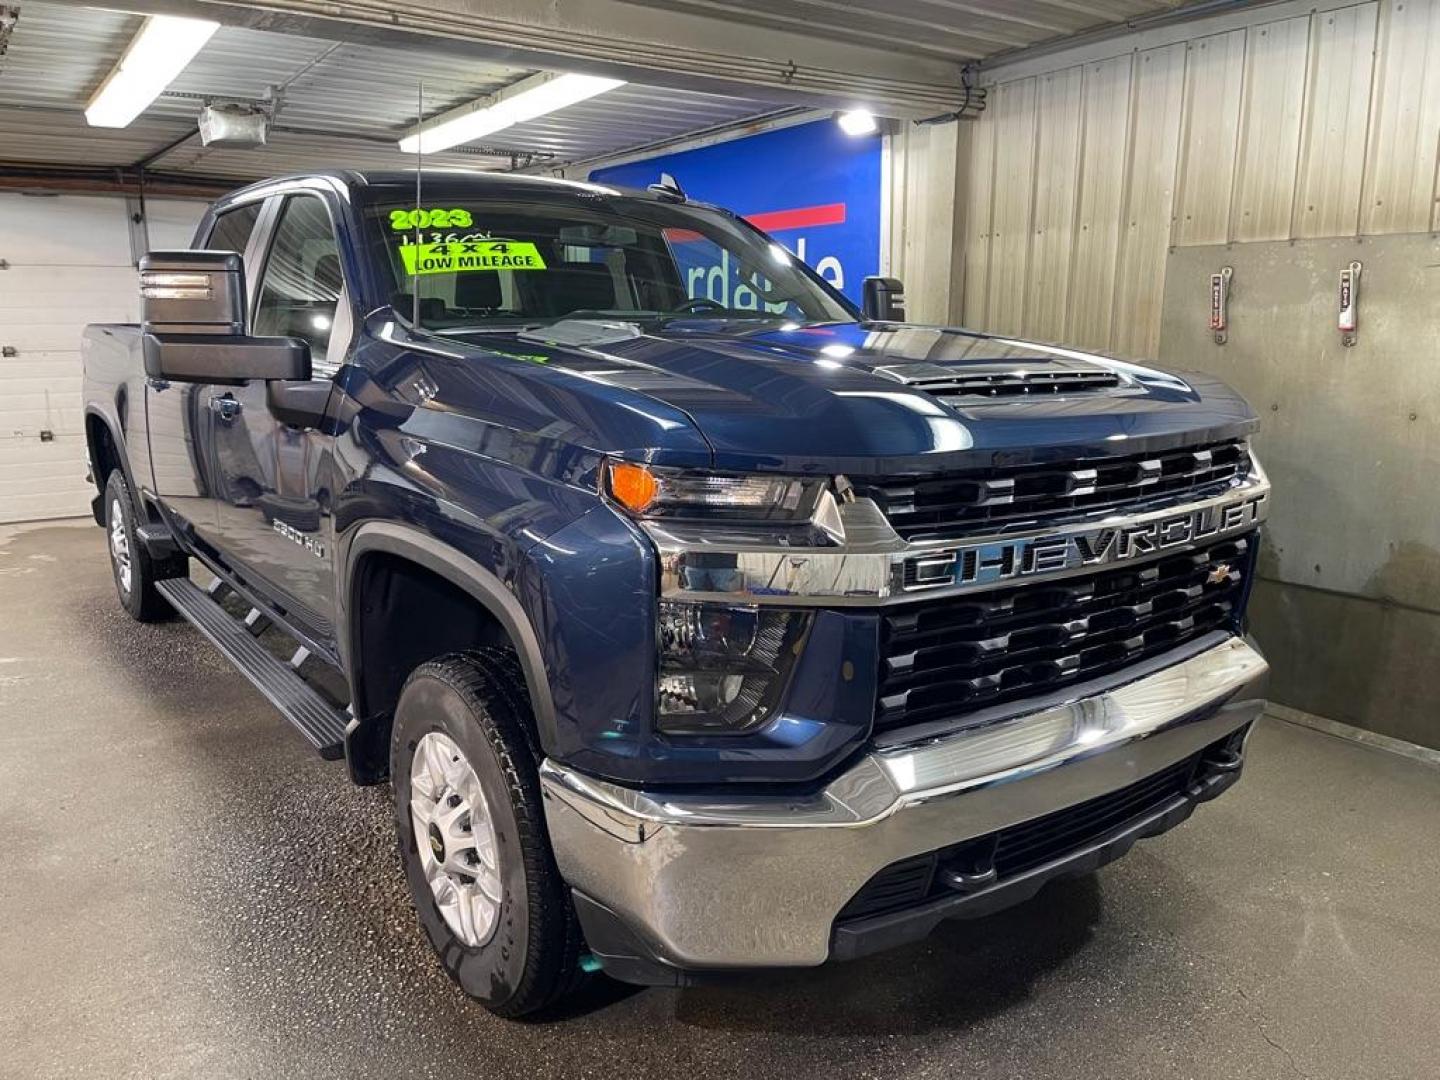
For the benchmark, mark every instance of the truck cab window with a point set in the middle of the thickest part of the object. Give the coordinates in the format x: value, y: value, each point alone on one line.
x: 233, y: 228
x: 300, y: 290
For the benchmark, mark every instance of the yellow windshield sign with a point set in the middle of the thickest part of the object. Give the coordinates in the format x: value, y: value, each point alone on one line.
x: 458, y: 256
x: 405, y: 220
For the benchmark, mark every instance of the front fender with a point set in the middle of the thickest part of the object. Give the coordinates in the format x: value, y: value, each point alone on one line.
x: 465, y: 573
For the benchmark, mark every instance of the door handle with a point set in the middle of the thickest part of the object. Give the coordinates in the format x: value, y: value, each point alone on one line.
x: 227, y: 408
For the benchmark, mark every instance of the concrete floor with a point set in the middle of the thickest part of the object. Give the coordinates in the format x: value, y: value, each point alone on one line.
x: 185, y: 890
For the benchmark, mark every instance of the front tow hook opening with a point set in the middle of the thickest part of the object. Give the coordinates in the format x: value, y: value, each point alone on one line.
x: 1219, y: 769
x: 970, y: 867
x: 1222, y: 760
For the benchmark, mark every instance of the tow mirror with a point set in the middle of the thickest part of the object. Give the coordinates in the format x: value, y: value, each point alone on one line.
x: 883, y: 299
x: 194, y: 327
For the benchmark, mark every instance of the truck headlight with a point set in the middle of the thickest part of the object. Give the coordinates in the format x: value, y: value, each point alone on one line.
x: 723, y: 668
x: 652, y: 492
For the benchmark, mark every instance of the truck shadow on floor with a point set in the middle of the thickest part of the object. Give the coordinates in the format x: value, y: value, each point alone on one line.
x: 964, y: 973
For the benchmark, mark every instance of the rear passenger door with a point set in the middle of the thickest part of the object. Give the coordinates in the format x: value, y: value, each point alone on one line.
x: 274, y: 480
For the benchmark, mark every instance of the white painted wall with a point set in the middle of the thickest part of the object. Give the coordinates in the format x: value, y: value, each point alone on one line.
x: 69, y: 263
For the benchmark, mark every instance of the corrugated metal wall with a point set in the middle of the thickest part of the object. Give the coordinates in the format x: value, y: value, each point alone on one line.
x: 1103, y: 186
x: 1316, y: 121
x: 920, y: 223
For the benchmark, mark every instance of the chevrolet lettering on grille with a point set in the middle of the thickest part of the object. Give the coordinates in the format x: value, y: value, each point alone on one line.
x: 1023, y: 557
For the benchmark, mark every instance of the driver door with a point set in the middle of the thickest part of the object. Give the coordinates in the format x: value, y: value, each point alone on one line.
x: 275, y: 480
x: 183, y: 416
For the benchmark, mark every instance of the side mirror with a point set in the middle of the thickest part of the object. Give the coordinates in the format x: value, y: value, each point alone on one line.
x: 883, y: 299
x: 193, y: 323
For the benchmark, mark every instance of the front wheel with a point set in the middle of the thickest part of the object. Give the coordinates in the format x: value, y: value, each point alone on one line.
x: 472, y: 834
x: 134, y: 571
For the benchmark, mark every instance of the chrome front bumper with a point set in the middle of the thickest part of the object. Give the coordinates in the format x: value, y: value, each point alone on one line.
x: 709, y: 882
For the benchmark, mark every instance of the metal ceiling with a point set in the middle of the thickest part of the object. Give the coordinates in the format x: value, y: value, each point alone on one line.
x: 346, y: 102
x: 961, y: 30
x: 338, y: 104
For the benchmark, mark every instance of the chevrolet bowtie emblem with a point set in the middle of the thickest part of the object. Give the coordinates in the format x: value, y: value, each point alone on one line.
x: 1221, y: 574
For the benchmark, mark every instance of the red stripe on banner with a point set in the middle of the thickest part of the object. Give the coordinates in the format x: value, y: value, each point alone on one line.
x: 804, y: 217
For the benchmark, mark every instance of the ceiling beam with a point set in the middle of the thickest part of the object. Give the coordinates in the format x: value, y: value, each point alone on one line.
x: 39, y: 177
x: 682, y: 49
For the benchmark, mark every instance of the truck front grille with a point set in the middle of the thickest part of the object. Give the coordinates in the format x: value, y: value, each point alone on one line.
x: 1011, y: 496
x: 943, y: 658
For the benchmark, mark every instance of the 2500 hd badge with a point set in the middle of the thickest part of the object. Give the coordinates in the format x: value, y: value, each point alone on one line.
x: 306, y: 541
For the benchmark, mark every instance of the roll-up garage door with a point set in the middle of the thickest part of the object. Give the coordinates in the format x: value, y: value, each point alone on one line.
x: 67, y: 262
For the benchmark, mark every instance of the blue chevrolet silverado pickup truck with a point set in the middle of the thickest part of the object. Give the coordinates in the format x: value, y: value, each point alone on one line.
x: 694, y: 635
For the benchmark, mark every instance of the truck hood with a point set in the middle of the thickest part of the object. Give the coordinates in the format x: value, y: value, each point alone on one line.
x: 881, y: 398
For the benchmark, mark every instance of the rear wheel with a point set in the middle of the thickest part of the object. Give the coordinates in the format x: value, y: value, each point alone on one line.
x: 472, y: 834
x: 134, y: 571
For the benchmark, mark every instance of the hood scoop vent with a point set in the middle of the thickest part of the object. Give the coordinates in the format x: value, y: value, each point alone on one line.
x: 1003, y: 380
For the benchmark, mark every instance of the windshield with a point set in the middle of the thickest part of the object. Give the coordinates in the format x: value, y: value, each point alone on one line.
x: 483, y: 262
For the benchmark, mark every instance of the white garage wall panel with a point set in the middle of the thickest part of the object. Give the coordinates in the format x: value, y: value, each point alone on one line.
x: 1333, y: 157
x: 978, y: 199
x: 1285, y: 122
x: 1056, y: 186
x: 170, y: 223
x: 1400, y: 190
x: 919, y: 238
x: 1215, y: 72
x: 1014, y: 119
x: 1276, y: 68
x: 1104, y: 136
x: 1154, y: 161
x: 69, y: 263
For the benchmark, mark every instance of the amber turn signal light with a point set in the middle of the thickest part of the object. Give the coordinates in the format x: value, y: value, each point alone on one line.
x: 633, y: 486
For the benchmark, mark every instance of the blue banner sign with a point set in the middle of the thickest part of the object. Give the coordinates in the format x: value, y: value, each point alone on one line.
x: 812, y: 187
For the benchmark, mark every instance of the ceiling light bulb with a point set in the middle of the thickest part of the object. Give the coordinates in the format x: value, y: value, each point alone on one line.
x: 857, y: 122
x: 527, y: 99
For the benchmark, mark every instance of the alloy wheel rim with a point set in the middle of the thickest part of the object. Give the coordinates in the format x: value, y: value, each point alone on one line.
x: 120, y: 545
x: 455, y: 839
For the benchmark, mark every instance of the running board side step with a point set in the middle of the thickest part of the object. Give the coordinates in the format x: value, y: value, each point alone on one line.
x: 321, y: 723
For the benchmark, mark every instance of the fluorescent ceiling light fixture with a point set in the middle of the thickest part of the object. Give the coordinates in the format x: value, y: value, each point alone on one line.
x: 525, y: 100
x: 156, y: 56
x: 857, y: 122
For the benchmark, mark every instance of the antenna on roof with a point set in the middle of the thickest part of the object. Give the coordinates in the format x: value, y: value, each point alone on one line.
x: 415, y: 219
x: 668, y: 188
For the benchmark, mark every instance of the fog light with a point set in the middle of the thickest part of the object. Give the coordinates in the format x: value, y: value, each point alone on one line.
x: 723, y: 668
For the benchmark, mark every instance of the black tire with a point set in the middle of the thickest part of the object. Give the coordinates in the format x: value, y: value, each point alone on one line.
x: 532, y: 958
x: 139, y: 597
